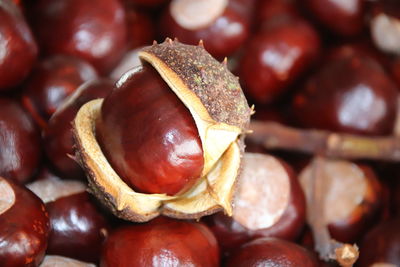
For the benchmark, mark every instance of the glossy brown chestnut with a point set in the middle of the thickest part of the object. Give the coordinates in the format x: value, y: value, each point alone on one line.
x: 97, y: 35
x: 58, y: 138
x: 17, y: 46
x: 341, y: 17
x: 24, y: 226
x: 351, y: 94
x: 269, y: 202
x: 52, y: 80
x: 161, y: 242
x: 20, y: 153
x: 381, y: 245
x: 149, y: 136
x: 352, y: 197
x: 276, y: 56
x: 78, y: 227
x: 269, y: 251
x: 221, y: 24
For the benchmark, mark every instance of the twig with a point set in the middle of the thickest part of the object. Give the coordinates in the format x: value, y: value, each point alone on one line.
x: 272, y: 135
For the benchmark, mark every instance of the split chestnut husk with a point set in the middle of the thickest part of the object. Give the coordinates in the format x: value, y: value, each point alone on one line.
x: 216, y: 103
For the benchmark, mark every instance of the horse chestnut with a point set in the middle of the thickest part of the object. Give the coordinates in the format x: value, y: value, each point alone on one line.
x: 161, y: 242
x: 167, y: 139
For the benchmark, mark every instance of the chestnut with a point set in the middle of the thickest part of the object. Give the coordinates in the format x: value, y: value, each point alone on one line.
x: 380, y: 246
x: 352, y: 197
x: 24, y: 226
x: 178, y: 154
x: 171, y: 130
x: 268, y: 202
x: 221, y: 24
x: 78, y: 227
x: 268, y: 251
x: 59, y: 261
x: 344, y: 18
x: 276, y: 56
x: 97, y: 35
x: 350, y: 93
x: 58, y: 138
x: 52, y: 80
x: 161, y: 242
x: 20, y: 153
x: 17, y: 45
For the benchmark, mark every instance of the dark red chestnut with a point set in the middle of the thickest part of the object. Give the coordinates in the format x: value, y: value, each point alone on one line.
x: 96, y: 34
x: 59, y: 261
x: 352, y: 197
x: 381, y: 245
x: 341, y: 17
x: 58, y: 135
x: 17, y: 46
x: 20, y: 152
x: 276, y: 56
x: 78, y: 227
x: 168, y: 137
x: 24, y: 226
x: 161, y: 242
x: 52, y: 80
x: 221, y: 24
x: 350, y: 94
x: 272, y: 252
x: 269, y: 202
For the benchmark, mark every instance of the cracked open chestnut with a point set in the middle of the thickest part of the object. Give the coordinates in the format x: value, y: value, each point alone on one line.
x: 168, y: 138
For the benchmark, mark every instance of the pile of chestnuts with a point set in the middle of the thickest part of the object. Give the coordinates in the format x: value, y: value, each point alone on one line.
x: 199, y: 133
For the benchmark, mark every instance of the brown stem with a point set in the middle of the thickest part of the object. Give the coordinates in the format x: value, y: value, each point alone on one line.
x: 327, y: 248
x: 272, y: 135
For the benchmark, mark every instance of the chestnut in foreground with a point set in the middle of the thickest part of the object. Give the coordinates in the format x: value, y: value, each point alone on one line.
x: 352, y: 197
x: 161, y: 242
x: 18, y: 48
x: 350, y: 93
x: 167, y: 136
x: 221, y: 24
x: 171, y: 130
x: 269, y: 251
x: 51, y: 82
x: 58, y: 139
x: 78, y: 227
x: 20, y: 153
x: 268, y: 202
x: 24, y: 226
x: 381, y: 245
x: 96, y: 34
